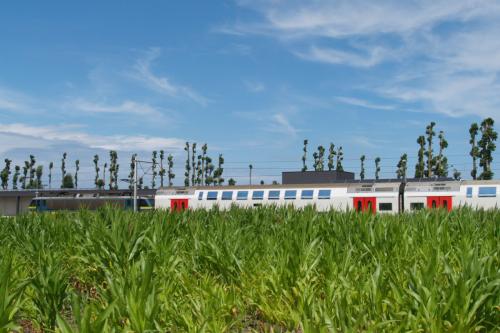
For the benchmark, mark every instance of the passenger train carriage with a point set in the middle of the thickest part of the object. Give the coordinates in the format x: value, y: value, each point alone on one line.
x: 385, y: 196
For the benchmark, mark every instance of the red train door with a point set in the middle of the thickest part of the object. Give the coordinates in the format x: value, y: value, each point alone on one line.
x: 365, y: 204
x: 358, y: 204
x: 178, y: 205
x: 370, y: 205
x: 445, y: 202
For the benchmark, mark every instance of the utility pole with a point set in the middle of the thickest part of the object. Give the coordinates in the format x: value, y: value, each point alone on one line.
x: 135, y: 185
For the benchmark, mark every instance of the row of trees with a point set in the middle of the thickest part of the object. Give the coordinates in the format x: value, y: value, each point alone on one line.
x: 319, y: 158
x: 429, y: 163
x: 200, y: 168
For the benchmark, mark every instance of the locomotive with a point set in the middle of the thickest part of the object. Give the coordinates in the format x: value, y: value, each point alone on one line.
x: 375, y: 196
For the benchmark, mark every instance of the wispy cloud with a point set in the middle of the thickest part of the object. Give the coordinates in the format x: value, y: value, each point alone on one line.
x: 71, y: 133
x: 254, y: 86
x: 371, y: 58
x: 125, y: 107
x: 162, y: 84
x: 364, y: 104
x: 279, y: 123
x: 450, y: 71
x: 13, y: 101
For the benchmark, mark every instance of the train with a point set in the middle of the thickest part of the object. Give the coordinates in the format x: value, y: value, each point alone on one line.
x: 375, y: 196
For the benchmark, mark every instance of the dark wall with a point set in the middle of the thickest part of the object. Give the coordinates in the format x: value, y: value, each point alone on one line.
x: 315, y: 177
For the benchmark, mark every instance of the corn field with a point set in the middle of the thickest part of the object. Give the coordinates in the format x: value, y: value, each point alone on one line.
x: 259, y: 270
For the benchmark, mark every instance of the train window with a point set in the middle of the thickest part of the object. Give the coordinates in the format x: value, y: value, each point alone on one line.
x: 242, y: 195
x: 385, y: 206
x: 227, y: 195
x: 212, y: 195
x: 258, y: 195
x: 307, y: 194
x: 324, y: 194
x: 274, y: 195
x: 200, y: 196
x: 416, y: 205
x: 489, y: 191
x: 290, y: 194
x: 469, y: 192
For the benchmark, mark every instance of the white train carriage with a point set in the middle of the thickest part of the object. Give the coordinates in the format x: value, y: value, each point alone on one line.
x: 373, y: 196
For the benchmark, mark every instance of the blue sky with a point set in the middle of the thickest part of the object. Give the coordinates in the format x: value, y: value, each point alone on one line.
x: 250, y: 78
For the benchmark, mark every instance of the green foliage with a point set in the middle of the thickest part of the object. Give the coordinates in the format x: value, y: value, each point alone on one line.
x: 420, y: 166
x: 377, y: 167
x: 68, y: 181
x: 5, y: 173
x: 304, y: 156
x: 251, y: 270
x: 402, y: 166
x: 362, y: 169
x: 486, y: 147
x: 474, y: 151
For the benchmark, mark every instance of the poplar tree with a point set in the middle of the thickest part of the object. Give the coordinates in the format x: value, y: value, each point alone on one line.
x: 171, y: 174
x: 199, y: 170
x: 103, y: 179
x: 77, y: 168
x: 316, y: 161
x: 340, y: 158
x: 162, y: 169
x: 113, y: 170
x: 218, y: 172
x: 32, y: 172
x: 321, y: 159
x: 377, y: 167
x: 153, y: 168
x: 25, y: 174
x: 203, y: 162
x: 402, y: 167
x: 63, y: 169
x: 51, y: 166
x: 250, y: 167
x: 15, y: 178
x: 420, y: 166
x: 331, y: 157
x: 362, y: 172
x: 429, y: 131
x: 97, y: 169
x: 38, y: 174
x: 441, y: 162
x: 474, y: 152
x: 487, y: 147
x: 193, y: 163
x: 4, y: 175
x: 188, y: 166
x: 304, y: 156
x: 131, y: 175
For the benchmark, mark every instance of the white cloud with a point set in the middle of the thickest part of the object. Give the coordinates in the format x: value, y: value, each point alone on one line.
x: 13, y: 101
x: 443, y: 54
x: 126, y: 106
x: 364, y: 104
x: 73, y: 134
x: 162, y: 84
x: 279, y: 123
x: 333, y: 56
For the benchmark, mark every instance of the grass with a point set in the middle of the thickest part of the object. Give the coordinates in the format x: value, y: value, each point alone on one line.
x: 262, y: 270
